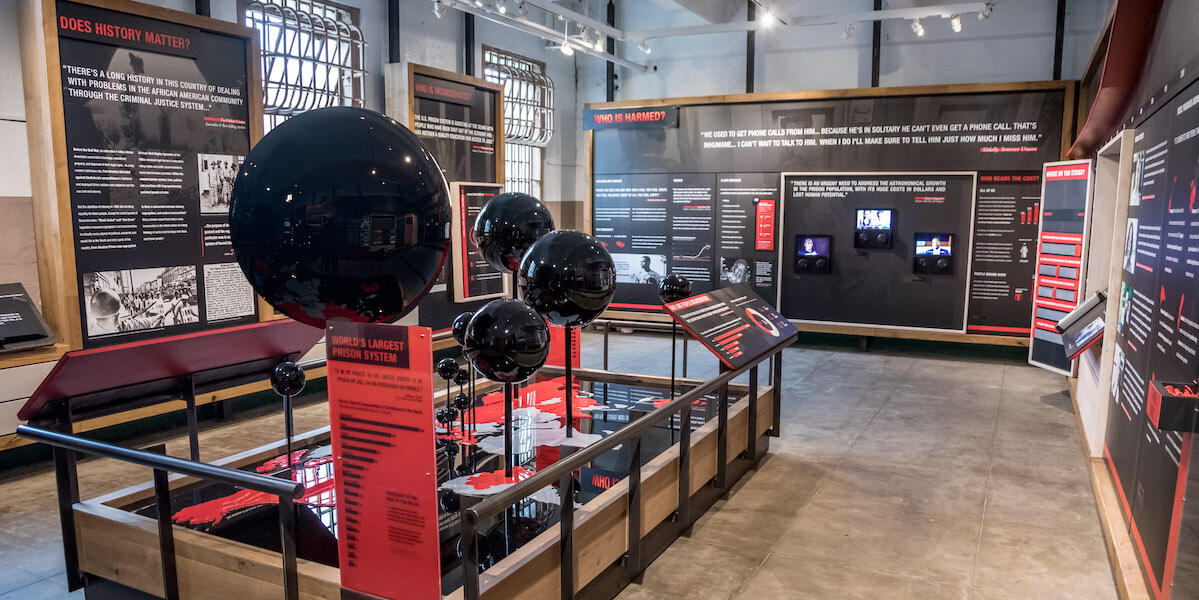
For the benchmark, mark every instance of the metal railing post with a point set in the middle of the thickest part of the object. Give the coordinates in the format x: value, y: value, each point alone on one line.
x: 777, y: 393
x: 166, y: 536
x: 684, y: 508
x: 287, y: 540
x: 722, y: 434
x: 68, y: 494
x: 751, y: 443
x: 468, y: 541
x: 566, y: 532
x: 633, y: 555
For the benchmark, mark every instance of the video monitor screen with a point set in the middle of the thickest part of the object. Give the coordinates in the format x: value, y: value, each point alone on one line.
x: 939, y: 244
x: 874, y: 218
x: 812, y: 245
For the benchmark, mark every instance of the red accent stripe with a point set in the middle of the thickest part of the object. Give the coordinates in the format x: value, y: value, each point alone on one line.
x: 1180, y: 489
x: 1136, y: 534
x: 639, y: 306
x: 999, y: 328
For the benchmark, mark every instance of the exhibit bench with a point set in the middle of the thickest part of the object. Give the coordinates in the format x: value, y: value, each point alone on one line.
x: 119, y: 552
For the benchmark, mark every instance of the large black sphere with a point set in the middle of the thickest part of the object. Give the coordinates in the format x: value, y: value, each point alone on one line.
x: 568, y: 277
x: 458, y: 328
x: 447, y: 368
x: 287, y: 379
x: 674, y: 287
x: 507, y: 341
x: 507, y: 226
x: 340, y: 214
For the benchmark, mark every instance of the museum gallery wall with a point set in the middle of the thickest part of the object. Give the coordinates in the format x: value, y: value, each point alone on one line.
x: 1158, y: 339
x: 731, y: 192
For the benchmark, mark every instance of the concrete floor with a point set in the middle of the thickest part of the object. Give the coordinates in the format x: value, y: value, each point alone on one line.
x: 896, y: 476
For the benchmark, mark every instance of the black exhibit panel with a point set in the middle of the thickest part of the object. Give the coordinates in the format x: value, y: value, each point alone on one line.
x: 877, y: 285
x: 700, y: 194
x: 1157, y: 339
x: 456, y: 119
x: 156, y: 119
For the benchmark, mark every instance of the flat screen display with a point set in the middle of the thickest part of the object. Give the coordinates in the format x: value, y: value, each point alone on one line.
x: 874, y: 218
x: 934, y: 244
x: 812, y: 245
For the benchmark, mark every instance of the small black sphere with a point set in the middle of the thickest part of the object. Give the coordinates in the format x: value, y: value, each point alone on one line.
x: 462, y: 377
x: 458, y: 329
x: 447, y: 368
x: 450, y: 501
x: 340, y: 214
x: 461, y: 401
x: 287, y: 379
x: 507, y: 341
x: 507, y: 225
x: 674, y: 287
x: 568, y: 277
x: 443, y: 416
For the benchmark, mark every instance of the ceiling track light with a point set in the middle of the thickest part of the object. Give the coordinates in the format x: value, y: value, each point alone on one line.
x: 644, y: 47
x: 955, y: 23
x: 849, y: 29
x: 985, y: 13
x: 438, y: 9
x: 917, y: 28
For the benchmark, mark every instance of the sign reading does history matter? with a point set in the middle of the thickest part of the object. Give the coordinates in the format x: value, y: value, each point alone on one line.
x: 157, y: 121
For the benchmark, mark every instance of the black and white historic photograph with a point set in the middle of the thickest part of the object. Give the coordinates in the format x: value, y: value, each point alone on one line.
x: 216, y: 174
x: 140, y: 299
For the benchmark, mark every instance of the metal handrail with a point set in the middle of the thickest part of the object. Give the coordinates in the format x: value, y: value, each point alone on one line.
x: 65, y: 446
x: 562, y: 472
x: 234, y: 477
x: 496, y: 503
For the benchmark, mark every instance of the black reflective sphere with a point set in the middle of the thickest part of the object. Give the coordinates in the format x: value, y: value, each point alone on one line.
x: 450, y: 501
x: 507, y: 226
x: 443, y: 416
x: 287, y: 379
x: 674, y: 287
x: 507, y: 341
x: 458, y: 329
x: 447, y: 368
x: 568, y: 277
x: 340, y: 214
x: 462, y: 377
x: 461, y: 401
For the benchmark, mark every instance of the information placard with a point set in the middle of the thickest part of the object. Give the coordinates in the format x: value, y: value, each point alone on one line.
x: 474, y: 278
x: 157, y: 122
x: 736, y: 324
x: 1061, y: 259
x: 380, y: 411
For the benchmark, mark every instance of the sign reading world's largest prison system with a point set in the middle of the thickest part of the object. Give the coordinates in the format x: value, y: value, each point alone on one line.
x: 156, y: 119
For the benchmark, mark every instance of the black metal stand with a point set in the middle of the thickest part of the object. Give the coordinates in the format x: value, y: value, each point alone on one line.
x: 570, y: 391
x: 674, y: 330
x: 289, y: 429
x: 508, y: 400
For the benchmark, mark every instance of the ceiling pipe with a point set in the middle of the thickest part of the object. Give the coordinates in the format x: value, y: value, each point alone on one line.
x: 548, y: 34
x: 945, y: 10
x: 553, y: 7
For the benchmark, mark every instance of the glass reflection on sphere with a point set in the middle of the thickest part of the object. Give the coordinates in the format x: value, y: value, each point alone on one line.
x: 340, y: 214
x: 507, y: 225
x: 507, y: 341
x: 568, y: 277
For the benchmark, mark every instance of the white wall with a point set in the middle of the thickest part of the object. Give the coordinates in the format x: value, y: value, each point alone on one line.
x: 1015, y: 44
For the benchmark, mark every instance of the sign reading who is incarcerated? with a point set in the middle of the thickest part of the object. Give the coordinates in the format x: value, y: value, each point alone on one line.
x: 736, y: 324
x: 380, y: 412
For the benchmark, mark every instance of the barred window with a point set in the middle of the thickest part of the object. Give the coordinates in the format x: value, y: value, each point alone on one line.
x: 528, y: 116
x: 312, y: 56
